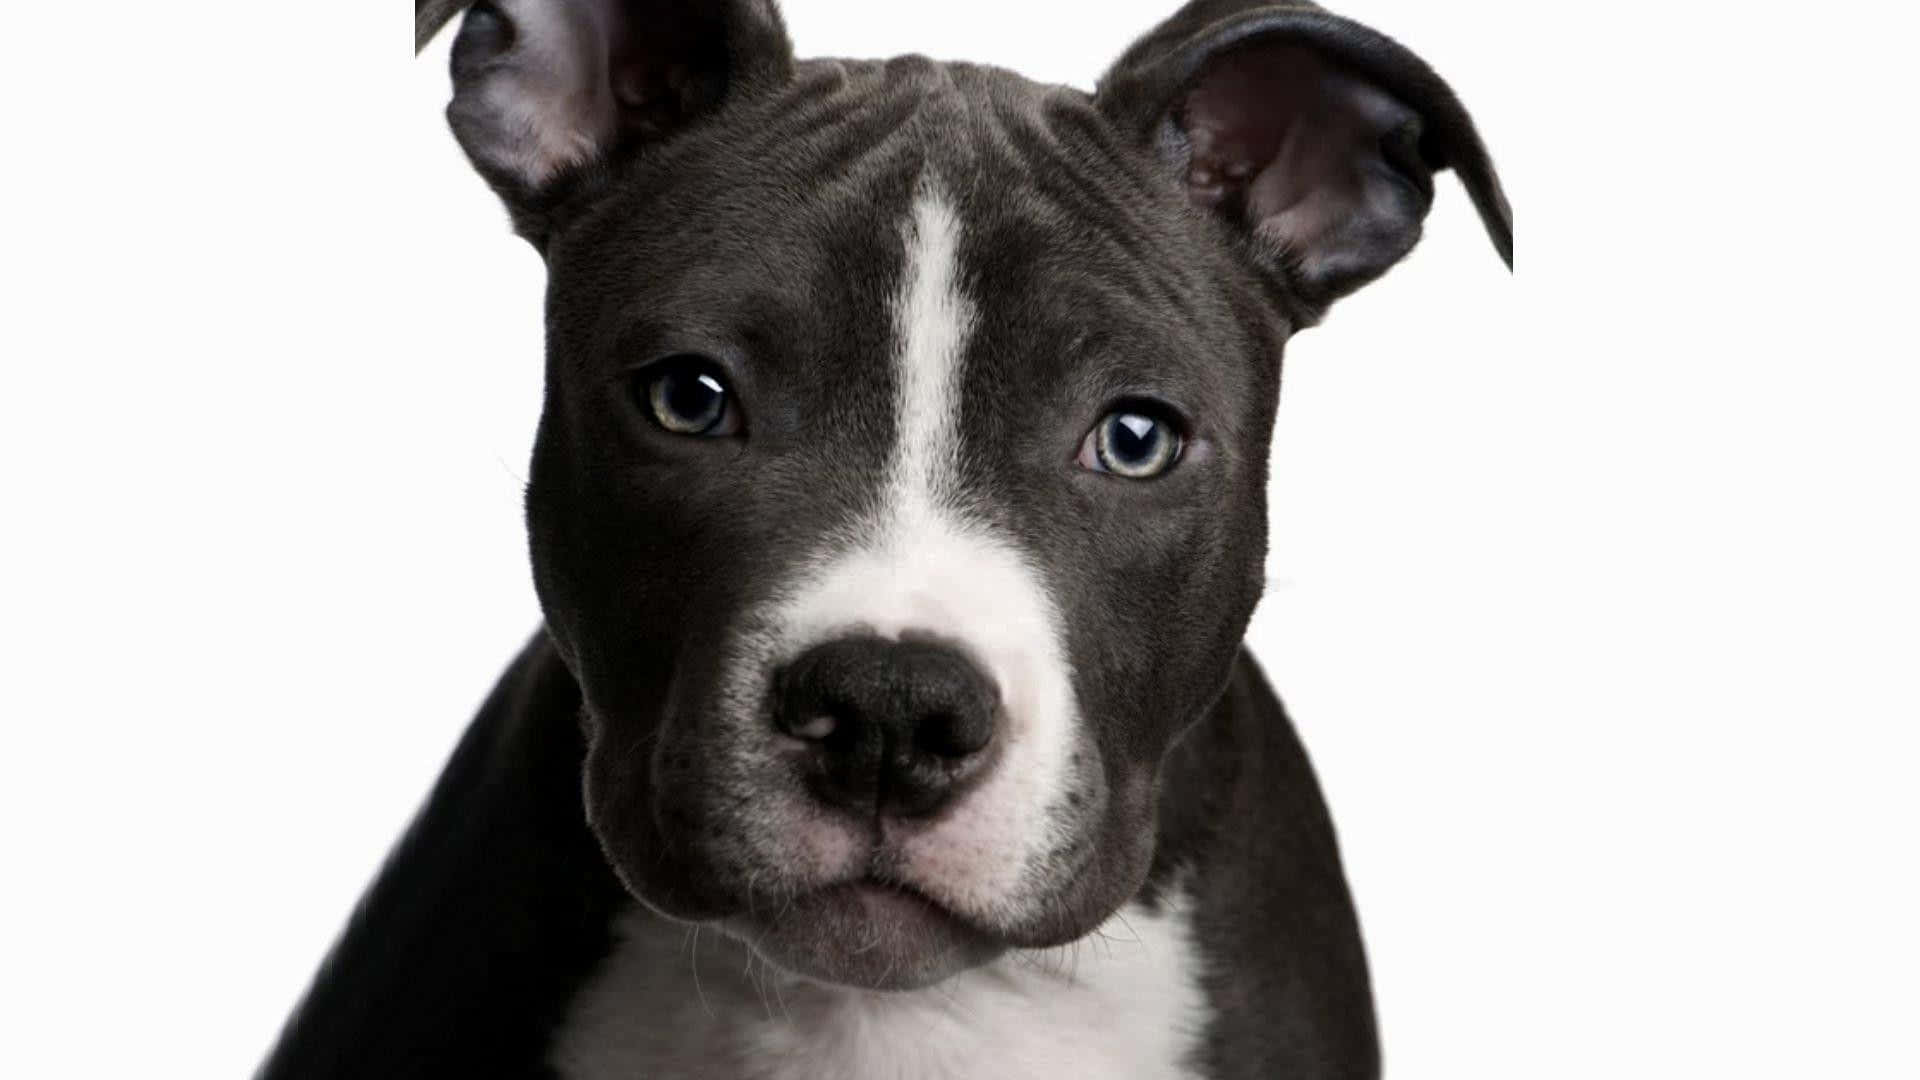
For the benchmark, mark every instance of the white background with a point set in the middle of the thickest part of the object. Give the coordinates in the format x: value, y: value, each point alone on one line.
x: 1593, y: 587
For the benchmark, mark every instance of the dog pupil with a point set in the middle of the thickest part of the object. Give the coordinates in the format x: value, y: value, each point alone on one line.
x: 693, y: 397
x: 1134, y: 437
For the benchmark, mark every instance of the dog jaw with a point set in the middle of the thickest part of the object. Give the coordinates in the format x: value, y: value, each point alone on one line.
x: 1123, y: 1001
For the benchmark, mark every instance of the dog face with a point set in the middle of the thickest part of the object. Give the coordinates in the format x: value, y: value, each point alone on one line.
x: 899, y: 494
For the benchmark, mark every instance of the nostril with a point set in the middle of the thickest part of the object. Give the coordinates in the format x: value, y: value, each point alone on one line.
x: 821, y: 719
x: 936, y: 735
x: 813, y: 727
x: 954, y: 734
x: 811, y: 704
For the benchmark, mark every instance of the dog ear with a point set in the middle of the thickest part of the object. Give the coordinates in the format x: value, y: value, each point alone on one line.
x: 546, y: 92
x: 1311, y: 135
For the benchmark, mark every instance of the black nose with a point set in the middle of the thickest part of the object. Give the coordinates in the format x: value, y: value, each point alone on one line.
x: 891, y: 727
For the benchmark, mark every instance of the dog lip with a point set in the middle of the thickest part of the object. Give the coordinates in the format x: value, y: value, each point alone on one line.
x: 889, y: 897
x: 870, y: 931
x: 883, y: 888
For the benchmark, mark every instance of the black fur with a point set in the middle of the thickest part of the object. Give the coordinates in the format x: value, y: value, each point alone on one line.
x: 460, y: 958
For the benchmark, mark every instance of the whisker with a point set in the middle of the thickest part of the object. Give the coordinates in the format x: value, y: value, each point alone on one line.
x: 698, y: 990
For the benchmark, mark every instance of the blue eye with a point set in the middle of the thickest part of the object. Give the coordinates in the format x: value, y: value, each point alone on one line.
x: 1131, y: 442
x: 687, y: 396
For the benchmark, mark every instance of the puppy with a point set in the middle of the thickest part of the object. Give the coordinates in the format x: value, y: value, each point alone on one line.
x: 897, y: 512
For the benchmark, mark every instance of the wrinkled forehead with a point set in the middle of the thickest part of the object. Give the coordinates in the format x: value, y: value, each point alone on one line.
x: 785, y: 227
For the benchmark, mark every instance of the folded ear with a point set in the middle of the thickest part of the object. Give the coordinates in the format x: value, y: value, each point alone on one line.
x: 1314, y: 136
x: 546, y: 90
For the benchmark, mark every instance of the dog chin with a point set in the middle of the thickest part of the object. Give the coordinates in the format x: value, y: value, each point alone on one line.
x: 867, y: 936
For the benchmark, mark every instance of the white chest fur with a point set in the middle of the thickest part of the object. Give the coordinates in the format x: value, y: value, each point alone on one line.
x: 1121, y: 1004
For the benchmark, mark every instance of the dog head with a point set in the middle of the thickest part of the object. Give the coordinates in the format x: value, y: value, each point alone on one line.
x: 898, y: 498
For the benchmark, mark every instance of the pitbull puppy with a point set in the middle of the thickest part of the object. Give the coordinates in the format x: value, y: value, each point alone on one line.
x: 897, y: 511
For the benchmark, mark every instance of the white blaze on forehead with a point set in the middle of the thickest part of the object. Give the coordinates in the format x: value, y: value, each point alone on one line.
x: 931, y: 321
x: 919, y: 563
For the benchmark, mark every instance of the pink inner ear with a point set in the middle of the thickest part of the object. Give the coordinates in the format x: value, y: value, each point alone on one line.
x: 544, y: 86
x: 1292, y: 146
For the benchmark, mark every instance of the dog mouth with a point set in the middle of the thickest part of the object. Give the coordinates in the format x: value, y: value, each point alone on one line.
x: 867, y: 932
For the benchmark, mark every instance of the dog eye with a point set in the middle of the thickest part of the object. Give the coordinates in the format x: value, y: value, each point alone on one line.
x: 686, y: 395
x: 1134, y: 441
